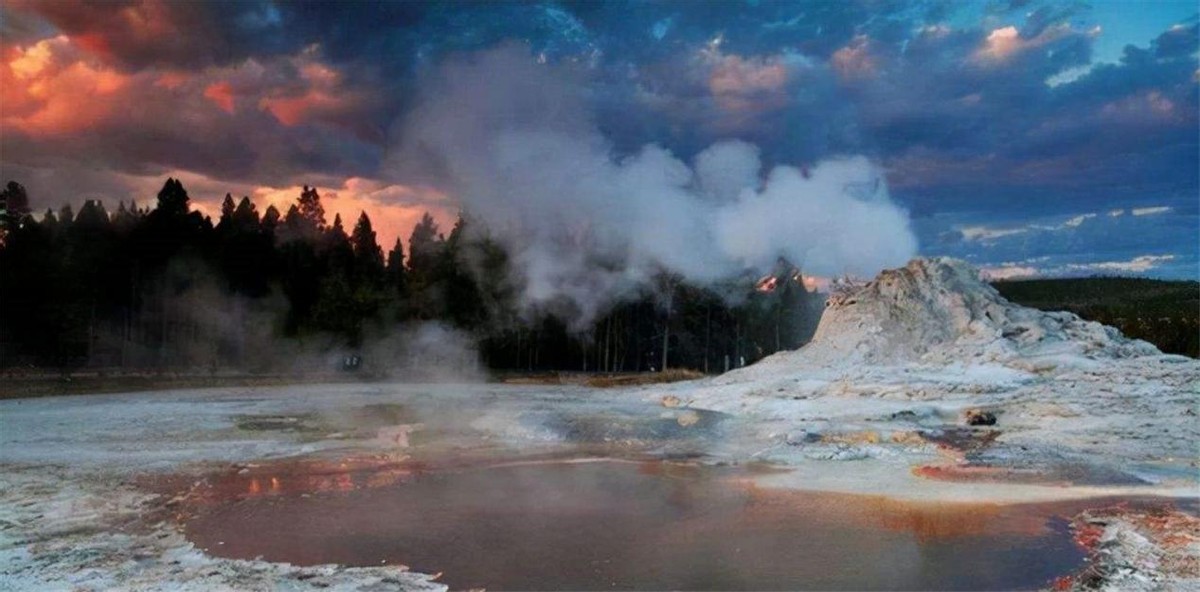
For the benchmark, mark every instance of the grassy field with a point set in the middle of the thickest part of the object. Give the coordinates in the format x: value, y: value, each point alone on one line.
x: 1165, y: 313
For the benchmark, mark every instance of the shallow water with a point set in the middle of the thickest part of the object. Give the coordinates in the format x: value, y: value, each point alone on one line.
x: 627, y: 525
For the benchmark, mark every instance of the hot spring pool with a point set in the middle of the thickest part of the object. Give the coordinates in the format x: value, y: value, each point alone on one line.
x: 624, y: 525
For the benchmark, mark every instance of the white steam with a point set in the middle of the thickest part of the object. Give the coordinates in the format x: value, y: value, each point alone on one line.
x: 514, y: 142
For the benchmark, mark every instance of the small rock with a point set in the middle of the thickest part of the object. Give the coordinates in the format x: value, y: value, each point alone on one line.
x: 688, y: 418
x: 802, y: 437
x: 979, y: 417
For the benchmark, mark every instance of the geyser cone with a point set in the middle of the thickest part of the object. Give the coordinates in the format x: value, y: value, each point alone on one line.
x: 939, y: 311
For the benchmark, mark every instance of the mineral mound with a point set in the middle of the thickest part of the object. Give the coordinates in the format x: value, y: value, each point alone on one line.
x: 938, y: 310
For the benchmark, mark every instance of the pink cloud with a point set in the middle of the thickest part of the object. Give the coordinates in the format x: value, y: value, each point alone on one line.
x: 134, y: 32
x: 221, y: 94
x: 171, y: 80
x: 1137, y: 107
x: 321, y: 94
x: 746, y: 88
x: 854, y: 61
x: 49, y: 88
x: 1004, y: 43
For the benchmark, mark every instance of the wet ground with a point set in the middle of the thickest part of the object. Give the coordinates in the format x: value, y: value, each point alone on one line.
x: 499, y: 486
x: 593, y: 524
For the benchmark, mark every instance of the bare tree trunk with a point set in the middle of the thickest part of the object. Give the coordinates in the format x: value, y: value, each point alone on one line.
x: 162, y: 352
x: 91, y: 333
x: 607, y: 342
x: 621, y: 346
x: 707, y: 333
x: 125, y: 333
x: 667, y: 330
x: 638, y: 359
x: 737, y: 343
x: 778, y: 317
x: 533, y: 350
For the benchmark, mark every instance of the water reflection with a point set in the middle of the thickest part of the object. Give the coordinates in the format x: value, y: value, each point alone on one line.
x: 621, y: 525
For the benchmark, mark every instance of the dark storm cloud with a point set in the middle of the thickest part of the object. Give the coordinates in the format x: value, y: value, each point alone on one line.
x: 142, y: 33
x: 262, y: 122
x: 17, y: 26
x: 1178, y: 42
x: 997, y: 138
x: 966, y: 105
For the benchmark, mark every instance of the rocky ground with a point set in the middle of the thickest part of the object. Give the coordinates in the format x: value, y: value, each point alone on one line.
x: 1136, y: 550
x: 923, y: 384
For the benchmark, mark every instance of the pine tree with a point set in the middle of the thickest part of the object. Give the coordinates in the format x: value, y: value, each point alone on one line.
x: 270, y: 219
x: 92, y: 215
x: 424, y: 244
x: 227, y: 208
x: 396, y: 279
x: 32, y: 287
x: 463, y: 303
x: 310, y: 207
x: 66, y: 215
x: 14, y: 207
x: 426, y: 290
x: 292, y: 228
x: 337, y: 233
x: 369, y: 263
x: 125, y: 219
x: 14, y: 201
x: 299, y: 269
x: 336, y: 252
x: 245, y: 215
x: 173, y: 198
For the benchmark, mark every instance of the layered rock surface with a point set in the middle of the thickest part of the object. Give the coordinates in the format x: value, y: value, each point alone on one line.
x: 923, y: 348
x: 939, y: 311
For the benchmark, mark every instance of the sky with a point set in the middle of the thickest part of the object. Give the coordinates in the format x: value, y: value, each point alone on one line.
x: 1029, y: 138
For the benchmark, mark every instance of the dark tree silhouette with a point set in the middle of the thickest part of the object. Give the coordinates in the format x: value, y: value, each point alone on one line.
x: 14, y: 208
x: 425, y: 246
x: 369, y: 264
x: 172, y: 199
x: 14, y: 201
x: 310, y: 208
x: 165, y: 288
x: 396, y: 279
x: 425, y: 252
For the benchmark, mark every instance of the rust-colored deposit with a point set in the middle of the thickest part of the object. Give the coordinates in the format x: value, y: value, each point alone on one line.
x: 1172, y: 550
x: 969, y: 473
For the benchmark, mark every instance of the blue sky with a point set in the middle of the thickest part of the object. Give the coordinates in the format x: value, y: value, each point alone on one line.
x: 1031, y: 138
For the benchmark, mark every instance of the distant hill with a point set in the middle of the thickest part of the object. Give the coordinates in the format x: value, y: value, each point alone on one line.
x: 1165, y: 313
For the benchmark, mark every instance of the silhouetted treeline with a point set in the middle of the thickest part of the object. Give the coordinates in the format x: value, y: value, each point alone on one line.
x: 166, y: 287
x: 1165, y: 313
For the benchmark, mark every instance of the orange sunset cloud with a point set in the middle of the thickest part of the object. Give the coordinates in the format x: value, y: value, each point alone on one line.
x: 48, y: 89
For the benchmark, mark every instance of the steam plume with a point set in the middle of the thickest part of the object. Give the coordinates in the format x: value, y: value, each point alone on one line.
x: 514, y: 140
